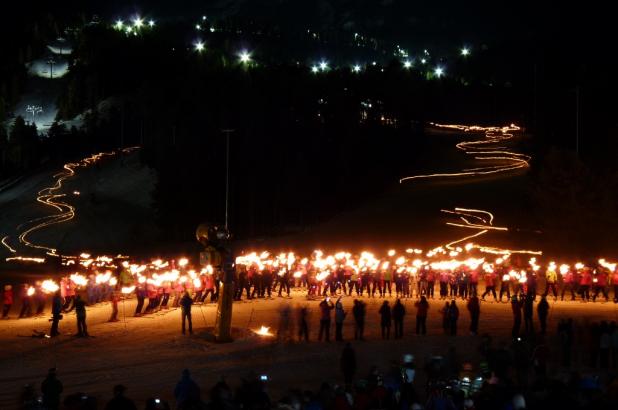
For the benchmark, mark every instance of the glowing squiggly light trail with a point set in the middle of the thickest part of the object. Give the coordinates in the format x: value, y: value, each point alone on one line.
x: 483, y: 150
x: 483, y: 229
x: 49, y: 197
x: 7, y: 245
x: 488, y: 148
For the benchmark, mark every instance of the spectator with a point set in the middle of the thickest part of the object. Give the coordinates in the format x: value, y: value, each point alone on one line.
x: 348, y: 363
x: 51, y: 389
x: 453, y: 315
x: 187, y: 392
x: 474, y: 307
x: 399, y: 312
x: 120, y: 402
x: 422, y: 307
x: 385, y: 320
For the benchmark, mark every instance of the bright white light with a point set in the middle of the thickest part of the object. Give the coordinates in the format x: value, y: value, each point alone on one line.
x: 407, y: 64
x: 244, y: 56
x: 119, y: 25
x: 356, y: 68
x: 203, y: 17
x: 151, y: 23
x: 423, y: 60
x: 199, y: 46
x: 323, y: 65
x: 438, y: 71
x: 138, y: 22
x: 212, y: 29
x: 198, y: 27
x: 315, y: 69
x: 373, y: 63
x: 465, y: 51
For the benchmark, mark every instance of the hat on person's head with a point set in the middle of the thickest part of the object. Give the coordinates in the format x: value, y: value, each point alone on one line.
x: 408, y: 358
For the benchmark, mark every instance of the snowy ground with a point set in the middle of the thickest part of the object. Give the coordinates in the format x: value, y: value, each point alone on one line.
x: 42, y: 68
x: 113, y: 209
x: 148, y: 354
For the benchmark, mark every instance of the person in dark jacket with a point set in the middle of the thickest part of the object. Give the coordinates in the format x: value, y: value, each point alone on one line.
x: 120, y: 402
x: 422, y: 308
x: 543, y: 310
x: 187, y: 392
x: 80, y: 313
x: 56, y: 314
x: 325, y: 307
x: 51, y: 389
x: 474, y: 307
x: 453, y: 316
x: 186, y: 303
x: 348, y: 363
x: 385, y: 320
x: 140, y: 292
x: 399, y: 312
x: 358, y: 311
x: 340, y: 315
x: 516, y: 306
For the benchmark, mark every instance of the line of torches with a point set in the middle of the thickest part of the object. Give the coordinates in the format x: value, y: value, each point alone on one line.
x: 410, y: 262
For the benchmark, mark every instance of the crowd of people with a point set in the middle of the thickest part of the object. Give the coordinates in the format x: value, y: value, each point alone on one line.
x: 161, y: 284
x: 507, y: 376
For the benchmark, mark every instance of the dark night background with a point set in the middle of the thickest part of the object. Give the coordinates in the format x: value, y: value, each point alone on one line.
x: 293, y: 169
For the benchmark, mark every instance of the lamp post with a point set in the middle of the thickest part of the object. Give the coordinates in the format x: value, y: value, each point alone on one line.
x: 51, y: 63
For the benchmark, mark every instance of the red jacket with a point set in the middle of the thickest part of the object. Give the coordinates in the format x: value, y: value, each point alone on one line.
x: 586, y: 278
x: 8, y: 297
x: 615, y: 278
x: 490, y: 279
x: 209, y: 282
x: 601, y: 279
